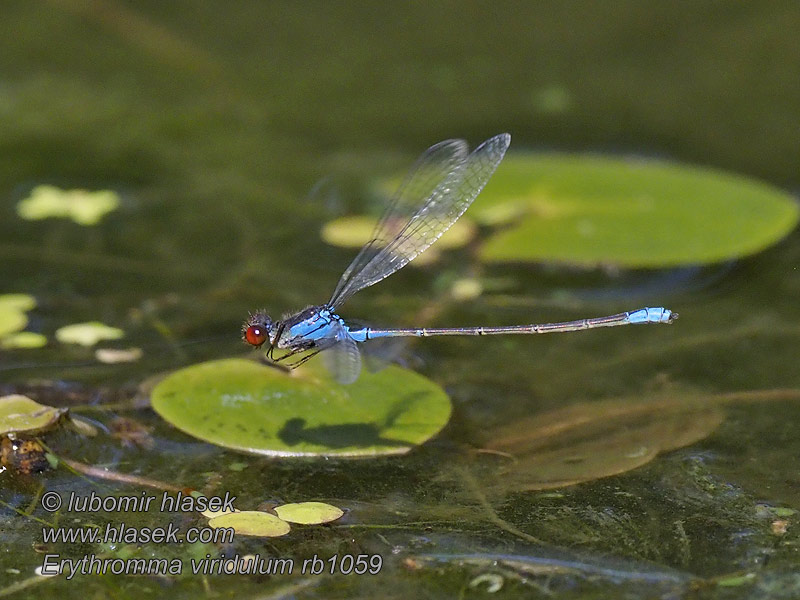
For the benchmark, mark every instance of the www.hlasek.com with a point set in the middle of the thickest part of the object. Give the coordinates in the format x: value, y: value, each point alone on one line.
x: 90, y: 564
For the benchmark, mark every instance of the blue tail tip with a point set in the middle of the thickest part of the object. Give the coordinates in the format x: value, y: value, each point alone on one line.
x: 662, y: 315
x: 652, y: 315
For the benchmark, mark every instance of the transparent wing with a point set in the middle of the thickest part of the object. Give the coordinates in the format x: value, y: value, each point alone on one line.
x: 343, y: 359
x: 440, y: 187
x: 429, y: 171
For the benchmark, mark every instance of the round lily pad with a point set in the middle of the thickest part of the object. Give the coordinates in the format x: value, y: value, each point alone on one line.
x: 87, y: 334
x: 21, y: 302
x: 355, y: 231
x: 591, y: 210
x: 633, y: 213
x: 260, y: 409
x: 308, y: 513
x: 20, y: 414
x: 12, y: 313
x: 213, y: 514
x: 112, y: 356
x: 252, y: 522
x: 587, y: 441
x: 11, y: 320
x: 82, y: 206
x: 23, y: 339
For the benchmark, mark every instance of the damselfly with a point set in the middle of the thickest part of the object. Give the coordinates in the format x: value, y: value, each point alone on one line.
x: 439, y: 188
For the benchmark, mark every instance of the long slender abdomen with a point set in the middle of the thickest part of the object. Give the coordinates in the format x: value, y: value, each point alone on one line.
x: 635, y: 317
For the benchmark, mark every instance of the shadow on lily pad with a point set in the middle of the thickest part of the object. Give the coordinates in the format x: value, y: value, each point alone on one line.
x: 255, y: 408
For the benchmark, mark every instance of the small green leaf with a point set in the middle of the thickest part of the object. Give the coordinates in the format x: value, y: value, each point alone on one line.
x: 82, y: 206
x: 20, y: 414
x: 112, y: 356
x: 52, y: 460
x: 252, y: 522
x: 23, y: 339
x: 21, y: 302
x: 308, y: 513
x: 256, y: 408
x: 82, y: 426
x: 736, y: 580
x: 355, y: 231
x: 87, y: 334
x: 11, y: 320
x: 634, y: 213
x: 213, y: 514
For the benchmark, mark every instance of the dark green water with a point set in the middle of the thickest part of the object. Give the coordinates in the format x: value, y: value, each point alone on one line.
x: 214, y: 120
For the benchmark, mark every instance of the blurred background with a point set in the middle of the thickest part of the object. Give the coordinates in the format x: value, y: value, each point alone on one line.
x: 233, y: 131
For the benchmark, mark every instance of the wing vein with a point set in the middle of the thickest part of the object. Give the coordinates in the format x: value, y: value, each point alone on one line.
x: 439, y: 188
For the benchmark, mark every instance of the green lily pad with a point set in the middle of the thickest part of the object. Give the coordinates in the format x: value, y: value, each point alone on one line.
x: 21, y: 302
x: 11, y: 320
x: 213, y: 514
x: 308, y: 513
x: 257, y: 408
x: 355, y: 231
x: 87, y: 334
x: 252, y: 522
x: 634, y: 213
x: 23, y: 339
x: 12, y: 314
x: 20, y: 414
x: 82, y: 206
x: 591, y: 210
x: 112, y: 356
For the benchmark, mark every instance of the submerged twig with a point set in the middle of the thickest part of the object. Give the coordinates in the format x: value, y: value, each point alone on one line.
x: 491, y: 515
x: 102, y: 473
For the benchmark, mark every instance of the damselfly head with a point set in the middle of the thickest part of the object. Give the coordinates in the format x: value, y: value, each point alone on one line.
x: 257, y: 329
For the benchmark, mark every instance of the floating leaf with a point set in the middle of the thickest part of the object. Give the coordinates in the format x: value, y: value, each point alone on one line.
x: 355, y: 231
x: 736, y: 580
x: 82, y: 206
x: 213, y: 514
x: 20, y: 414
x: 111, y: 356
x: 87, y: 334
x: 592, y: 210
x: 82, y: 425
x: 598, y: 439
x: 260, y: 409
x: 21, y: 302
x: 252, y: 522
x: 23, y: 339
x: 467, y: 288
x: 308, y: 513
x: 11, y: 320
x: 634, y: 213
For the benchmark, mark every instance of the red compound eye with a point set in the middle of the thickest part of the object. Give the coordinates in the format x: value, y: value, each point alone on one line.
x: 255, y: 335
